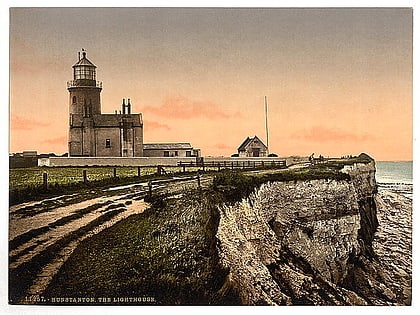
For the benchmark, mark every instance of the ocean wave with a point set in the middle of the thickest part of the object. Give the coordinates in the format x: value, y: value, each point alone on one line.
x: 405, y: 189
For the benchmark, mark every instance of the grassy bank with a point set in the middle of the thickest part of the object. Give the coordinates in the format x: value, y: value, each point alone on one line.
x: 235, y: 185
x: 167, y: 254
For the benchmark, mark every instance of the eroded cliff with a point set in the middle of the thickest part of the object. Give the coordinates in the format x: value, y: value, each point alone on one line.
x: 305, y: 242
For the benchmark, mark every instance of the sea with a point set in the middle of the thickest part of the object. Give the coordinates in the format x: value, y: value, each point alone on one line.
x: 395, y: 176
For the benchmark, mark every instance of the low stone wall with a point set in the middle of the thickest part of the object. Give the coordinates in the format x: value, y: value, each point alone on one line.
x: 140, y: 161
x: 114, y: 161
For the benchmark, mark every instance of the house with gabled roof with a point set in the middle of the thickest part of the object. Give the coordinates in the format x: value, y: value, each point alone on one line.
x: 252, y: 147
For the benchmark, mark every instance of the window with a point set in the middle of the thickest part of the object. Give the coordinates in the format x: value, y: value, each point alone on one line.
x: 74, y: 101
x: 107, y: 143
x: 176, y: 153
x: 188, y: 153
x: 166, y: 153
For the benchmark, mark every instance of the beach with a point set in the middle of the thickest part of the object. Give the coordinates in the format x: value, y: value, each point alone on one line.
x: 393, y: 240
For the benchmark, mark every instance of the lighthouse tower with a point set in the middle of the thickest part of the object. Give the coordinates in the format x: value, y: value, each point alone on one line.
x: 92, y: 133
x: 85, y: 101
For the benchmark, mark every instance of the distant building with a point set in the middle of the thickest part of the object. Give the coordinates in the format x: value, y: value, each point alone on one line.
x: 170, y: 150
x: 252, y: 147
x: 23, y: 159
x: 92, y: 133
x: 29, y: 154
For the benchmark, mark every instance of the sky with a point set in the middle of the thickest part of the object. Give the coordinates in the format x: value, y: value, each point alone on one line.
x: 338, y: 81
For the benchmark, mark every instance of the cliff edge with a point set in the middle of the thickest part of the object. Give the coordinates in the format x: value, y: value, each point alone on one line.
x: 305, y: 242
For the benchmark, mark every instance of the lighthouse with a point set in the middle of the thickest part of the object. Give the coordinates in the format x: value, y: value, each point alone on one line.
x: 85, y: 91
x: 92, y: 133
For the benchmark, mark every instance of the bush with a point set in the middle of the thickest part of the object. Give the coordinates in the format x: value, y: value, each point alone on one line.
x: 234, y: 185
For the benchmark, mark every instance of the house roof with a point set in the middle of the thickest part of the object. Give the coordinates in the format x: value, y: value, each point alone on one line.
x: 244, y: 144
x: 249, y: 140
x: 167, y: 146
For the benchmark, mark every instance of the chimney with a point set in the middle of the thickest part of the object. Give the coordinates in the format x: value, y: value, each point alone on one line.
x: 123, y: 106
x: 129, y: 107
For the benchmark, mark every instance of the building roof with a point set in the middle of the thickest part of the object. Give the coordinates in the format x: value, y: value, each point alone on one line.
x: 84, y: 62
x: 167, y: 146
x: 244, y: 144
x: 114, y: 120
x: 249, y: 140
x: 110, y: 120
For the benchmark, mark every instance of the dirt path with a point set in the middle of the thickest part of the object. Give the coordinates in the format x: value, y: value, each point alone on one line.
x: 43, y: 234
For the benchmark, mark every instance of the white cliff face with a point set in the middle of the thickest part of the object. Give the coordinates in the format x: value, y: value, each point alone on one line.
x: 247, y: 246
x: 295, y: 242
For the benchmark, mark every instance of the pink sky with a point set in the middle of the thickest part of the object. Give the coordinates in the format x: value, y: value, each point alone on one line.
x: 338, y: 81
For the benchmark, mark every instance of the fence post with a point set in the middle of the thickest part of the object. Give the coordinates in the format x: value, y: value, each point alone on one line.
x: 150, y: 189
x: 198, y: 180
x: 138, y: 171
x: 115, y: 172
x: 183, y: 168
x: 218, y: 167
x: 159, y: 170
x: 45, y: 180
x: 84, y: 176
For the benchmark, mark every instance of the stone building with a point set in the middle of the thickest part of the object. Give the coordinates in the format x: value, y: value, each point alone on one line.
x: 170, y: 150
x: 92, y: 133
x: 252, y: 147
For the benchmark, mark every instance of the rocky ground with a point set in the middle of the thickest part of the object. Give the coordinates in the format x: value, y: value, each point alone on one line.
x: 318, y: 260
x: 393, y: 243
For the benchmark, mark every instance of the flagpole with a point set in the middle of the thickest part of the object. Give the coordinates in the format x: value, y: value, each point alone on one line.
x: 266, y: 121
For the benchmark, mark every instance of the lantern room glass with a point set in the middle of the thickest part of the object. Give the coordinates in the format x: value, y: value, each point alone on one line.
x: 85, y: 73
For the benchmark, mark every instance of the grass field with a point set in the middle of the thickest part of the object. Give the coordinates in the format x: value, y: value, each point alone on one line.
x: 24, y: 177
x: 26, y: 184
x: 167, y: 253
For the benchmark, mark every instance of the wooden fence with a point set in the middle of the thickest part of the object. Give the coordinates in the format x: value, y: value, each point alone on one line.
x: 185, y: 167
x: 233, y: 164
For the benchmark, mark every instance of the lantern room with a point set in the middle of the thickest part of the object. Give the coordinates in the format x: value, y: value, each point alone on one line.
x: 84, y: 69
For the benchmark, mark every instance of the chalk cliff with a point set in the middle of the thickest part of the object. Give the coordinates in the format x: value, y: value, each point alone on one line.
x: 305, y: 242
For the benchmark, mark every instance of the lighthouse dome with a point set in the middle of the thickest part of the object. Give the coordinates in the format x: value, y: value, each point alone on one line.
x: 84, y: 69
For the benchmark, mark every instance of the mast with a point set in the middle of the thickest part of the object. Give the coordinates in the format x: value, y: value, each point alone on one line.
x: 266, y: 120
